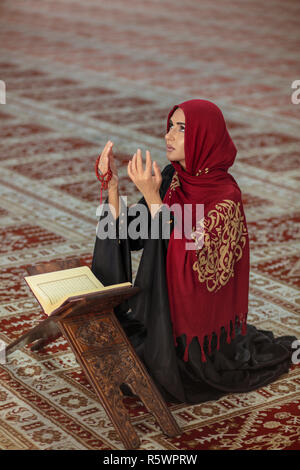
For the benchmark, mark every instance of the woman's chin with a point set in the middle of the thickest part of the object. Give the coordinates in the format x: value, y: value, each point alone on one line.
x: 169, y: 157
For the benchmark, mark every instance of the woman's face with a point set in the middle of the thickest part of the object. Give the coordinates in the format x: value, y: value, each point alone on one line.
x: 175, y: 138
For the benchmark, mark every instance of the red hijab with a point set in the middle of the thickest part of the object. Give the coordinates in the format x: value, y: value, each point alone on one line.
x: 207, y: 287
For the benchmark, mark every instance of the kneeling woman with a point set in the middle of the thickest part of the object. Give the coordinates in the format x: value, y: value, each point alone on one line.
x: 193, y: 303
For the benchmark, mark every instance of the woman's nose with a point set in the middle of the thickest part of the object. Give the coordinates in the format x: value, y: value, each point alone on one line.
x: 169, y: 135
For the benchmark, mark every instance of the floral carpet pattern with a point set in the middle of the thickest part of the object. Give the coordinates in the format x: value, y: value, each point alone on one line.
x: 80, y: 73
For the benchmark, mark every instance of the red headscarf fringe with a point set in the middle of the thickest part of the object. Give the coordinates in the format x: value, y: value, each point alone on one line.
x: 230, y: 332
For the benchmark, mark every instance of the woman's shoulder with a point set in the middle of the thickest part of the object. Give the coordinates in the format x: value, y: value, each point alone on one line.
x: 168, y: 170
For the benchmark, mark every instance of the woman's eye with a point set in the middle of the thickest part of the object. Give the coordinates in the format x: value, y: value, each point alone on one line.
x: 182, y: 128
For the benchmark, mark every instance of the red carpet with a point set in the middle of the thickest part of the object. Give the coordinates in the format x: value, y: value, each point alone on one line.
x: 78, y: 74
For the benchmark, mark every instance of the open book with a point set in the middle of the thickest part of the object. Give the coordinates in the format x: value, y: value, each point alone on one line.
x: 53, y: 289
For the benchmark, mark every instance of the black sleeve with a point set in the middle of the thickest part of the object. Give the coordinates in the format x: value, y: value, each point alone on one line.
x: 119, y: 227
x: 111, y: 261
x: 138, y: 244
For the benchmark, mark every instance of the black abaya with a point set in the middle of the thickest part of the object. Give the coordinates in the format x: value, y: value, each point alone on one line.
x: 248, y: 362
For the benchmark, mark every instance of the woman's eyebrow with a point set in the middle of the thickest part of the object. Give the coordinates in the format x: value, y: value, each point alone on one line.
x: 177, y: 122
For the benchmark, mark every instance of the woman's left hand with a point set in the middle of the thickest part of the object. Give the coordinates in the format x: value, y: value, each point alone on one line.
x: 143, y: 179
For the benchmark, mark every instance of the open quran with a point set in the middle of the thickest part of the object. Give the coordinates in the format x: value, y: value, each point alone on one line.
x: 80, y: 308
x: 53, y: 289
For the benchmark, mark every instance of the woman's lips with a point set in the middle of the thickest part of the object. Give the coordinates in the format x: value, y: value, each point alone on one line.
x: 169, y: 149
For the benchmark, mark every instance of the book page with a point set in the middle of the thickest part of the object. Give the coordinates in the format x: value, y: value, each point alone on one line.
x: 52, y: 289
x: 56, y: 290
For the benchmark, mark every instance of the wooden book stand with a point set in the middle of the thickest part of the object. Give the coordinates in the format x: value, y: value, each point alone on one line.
x: 104, y: 352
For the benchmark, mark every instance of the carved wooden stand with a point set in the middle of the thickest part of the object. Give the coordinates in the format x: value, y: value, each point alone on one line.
x: 104, y: 352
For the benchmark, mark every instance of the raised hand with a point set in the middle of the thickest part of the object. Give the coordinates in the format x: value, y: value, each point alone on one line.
x: 143, y: 179
x: 108, y: 160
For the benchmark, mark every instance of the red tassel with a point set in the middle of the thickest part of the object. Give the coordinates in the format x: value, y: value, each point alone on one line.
x: 203, y: 356
x: 218, y: 343
x: 175, y: 338
x: 228, y: 335
x: 201, y: 343
x: 244, y: 323
x: 209, y: 344
x: 233, y: 330
x: 188, y: 340
x: 186, y: 354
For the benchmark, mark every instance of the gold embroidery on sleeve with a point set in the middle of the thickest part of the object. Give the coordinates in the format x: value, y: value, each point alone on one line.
x: 223, y: 234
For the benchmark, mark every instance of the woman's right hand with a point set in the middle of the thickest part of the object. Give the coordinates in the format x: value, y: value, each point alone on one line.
x: 106, y: 160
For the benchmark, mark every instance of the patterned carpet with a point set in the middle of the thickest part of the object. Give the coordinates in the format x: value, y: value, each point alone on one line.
x: 78, y: 74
